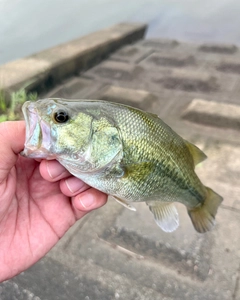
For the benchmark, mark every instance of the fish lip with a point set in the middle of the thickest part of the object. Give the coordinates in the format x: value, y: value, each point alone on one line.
x: 24, y: 110
x: 34, y: 147
x: 28, y: 149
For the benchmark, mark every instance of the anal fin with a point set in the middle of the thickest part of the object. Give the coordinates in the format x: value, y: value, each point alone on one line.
x: 165, y: 215
x: 124, y: 203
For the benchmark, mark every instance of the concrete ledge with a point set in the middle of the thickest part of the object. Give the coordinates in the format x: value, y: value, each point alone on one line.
x: 44, y: 69
x: 137, y: 98
x: 218, y: 48
x: 213, y: 113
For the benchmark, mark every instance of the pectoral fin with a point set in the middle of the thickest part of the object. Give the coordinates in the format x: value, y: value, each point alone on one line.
x: 165, y: 215
x: 124, y: 203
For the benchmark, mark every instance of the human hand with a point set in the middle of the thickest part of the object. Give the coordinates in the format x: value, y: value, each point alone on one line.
x: 39, y: 202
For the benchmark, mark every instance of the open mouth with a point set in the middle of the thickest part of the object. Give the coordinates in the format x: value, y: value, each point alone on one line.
x: 37, y: 139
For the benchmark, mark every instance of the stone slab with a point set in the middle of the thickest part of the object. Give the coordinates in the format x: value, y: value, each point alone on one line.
x: 166, y: 60
x: 74, y: 88
x: 137, y: 98
x: 115, y: 70
x: 131, y: 53
x: 165, y: 44
x: 222, y: 166
x: 229, y: 66
x: 196, y: 80
x: 188, y: 80
x: 213, y: 113
x: 218, y: 48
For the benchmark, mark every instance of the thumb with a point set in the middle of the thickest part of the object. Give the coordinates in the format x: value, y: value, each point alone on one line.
x: 12, y: 137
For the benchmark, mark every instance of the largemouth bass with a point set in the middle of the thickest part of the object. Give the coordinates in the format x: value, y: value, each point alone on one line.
x: 124, y: 152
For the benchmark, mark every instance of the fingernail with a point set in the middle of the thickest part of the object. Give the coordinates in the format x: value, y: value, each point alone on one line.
x: 54, y: 169
x: 73, y: 184
x: 87, y: 201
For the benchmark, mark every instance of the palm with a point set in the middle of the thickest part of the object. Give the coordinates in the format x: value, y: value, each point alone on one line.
x: 34, y: 214
x: 38, y: 203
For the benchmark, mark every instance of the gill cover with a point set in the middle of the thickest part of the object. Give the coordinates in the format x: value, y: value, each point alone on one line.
x: 105, y: 144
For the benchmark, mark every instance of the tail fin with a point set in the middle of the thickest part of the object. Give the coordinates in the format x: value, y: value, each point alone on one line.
x: 203, y: 217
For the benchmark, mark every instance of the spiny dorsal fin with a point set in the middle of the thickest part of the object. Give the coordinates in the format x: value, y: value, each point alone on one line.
x: 197, y: 154
x: 165, y: 215
x: 203, y: 217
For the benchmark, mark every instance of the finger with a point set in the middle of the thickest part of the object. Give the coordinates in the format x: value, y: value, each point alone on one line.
x: 73, y: 186
x: 52, y: 170
x: 12, y: 137
x: 38, y: 159
x: 88, y: 200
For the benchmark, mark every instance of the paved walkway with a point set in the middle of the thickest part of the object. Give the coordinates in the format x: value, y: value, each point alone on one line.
x: 114, y: 253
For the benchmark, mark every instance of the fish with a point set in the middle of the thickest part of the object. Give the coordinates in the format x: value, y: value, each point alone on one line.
x: 124, y: 152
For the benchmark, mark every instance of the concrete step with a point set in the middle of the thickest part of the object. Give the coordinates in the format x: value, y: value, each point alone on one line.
x: 213, y: 113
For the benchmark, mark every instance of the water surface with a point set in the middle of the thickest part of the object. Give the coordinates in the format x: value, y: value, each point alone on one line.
x: 29, y: 26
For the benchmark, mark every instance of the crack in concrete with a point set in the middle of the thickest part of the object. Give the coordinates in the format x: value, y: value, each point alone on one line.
x: 230, y: 208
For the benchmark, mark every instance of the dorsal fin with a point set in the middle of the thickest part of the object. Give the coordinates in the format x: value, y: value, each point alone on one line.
x: 197, y: 154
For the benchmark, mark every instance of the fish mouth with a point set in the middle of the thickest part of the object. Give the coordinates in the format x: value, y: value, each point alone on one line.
x: 37, y: 138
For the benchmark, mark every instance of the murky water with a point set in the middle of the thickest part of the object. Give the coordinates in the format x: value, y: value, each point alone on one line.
x: 28, y: 26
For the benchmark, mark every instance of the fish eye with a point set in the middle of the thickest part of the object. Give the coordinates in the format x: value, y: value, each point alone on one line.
x: 61, y: 116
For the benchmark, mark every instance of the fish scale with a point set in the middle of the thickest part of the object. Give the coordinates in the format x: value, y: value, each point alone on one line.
x: 153, y: 151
